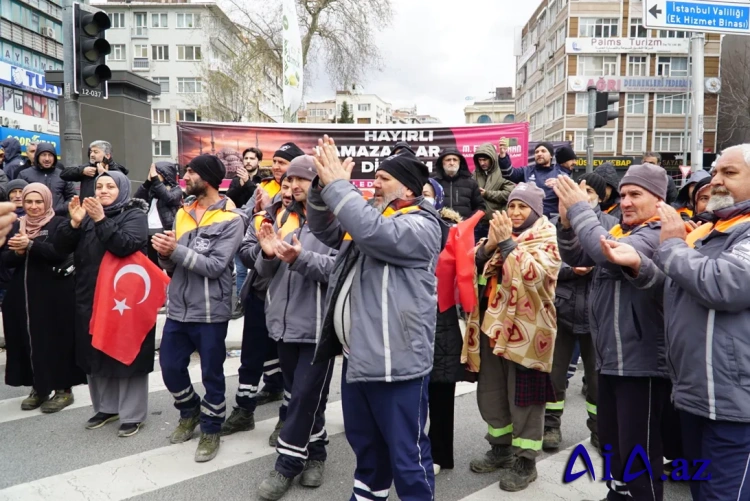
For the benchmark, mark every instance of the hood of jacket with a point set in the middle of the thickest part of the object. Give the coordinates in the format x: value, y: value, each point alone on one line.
x: 683, y: 196
x: 463, y: 166
x: 12, y: 148
x: 450, y: 216
x: 168, y: 171
x: 42, y: 148
x: 486, y: 150
x: 609, y: 173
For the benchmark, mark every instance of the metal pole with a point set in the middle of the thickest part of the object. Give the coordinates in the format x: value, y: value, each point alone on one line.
x: 697, y: 101
x: 590, y: 130
x: 686, y: 146
x: 72, y: 139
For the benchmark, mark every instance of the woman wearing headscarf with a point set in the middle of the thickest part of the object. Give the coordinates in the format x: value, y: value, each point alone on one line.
x: 510, y: 336
x: 163, y: 195
x: 110, y: 222
x: 38, y: 313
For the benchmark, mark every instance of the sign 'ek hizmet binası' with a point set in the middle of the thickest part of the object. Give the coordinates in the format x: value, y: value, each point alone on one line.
x: 707, y: 16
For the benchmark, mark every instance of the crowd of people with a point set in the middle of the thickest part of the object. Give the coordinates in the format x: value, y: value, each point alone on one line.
x: 647, y: 284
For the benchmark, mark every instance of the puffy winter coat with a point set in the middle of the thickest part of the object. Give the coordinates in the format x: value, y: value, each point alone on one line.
x: 460, y: 192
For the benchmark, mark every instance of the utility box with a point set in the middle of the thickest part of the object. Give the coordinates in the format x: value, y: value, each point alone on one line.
x: 124, y: 120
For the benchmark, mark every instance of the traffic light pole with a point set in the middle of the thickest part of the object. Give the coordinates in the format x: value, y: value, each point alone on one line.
x: 590, y: 130
x: 697, y: 44
x: 72, y: 139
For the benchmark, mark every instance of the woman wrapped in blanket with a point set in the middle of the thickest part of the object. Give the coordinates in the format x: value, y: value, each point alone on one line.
x: 511, y: 335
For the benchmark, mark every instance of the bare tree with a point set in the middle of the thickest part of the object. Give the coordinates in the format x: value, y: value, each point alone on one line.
x: 336, y: 33
x: 734, y: 101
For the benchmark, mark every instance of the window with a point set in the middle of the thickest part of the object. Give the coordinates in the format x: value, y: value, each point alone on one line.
x: 189, y: 115
x: 140, y: 51
x: 555, y: 110
x: 634, y: 142
x: 636, y: 28
x: 560, y: 35
x: 117, y: 54
x: 667, y: 66
x: 671, y: 104
x: 635, y: 104
x: 550, y: 79
x: 668, y: 141
x: 597, y: 66
x: 160, y: 52
x: 363, y: 107
x: 560, y: 72
x: 582, y: 104
x: 531, y: 65
x: 164, y: 82
x: 188, y: 52
x: 162, y: 148
x: 597, y: 27
x: 141, y: 23
x: 604, y: 141
x: 189, y: 85
x: 117, y: 19
x: 188, y: 20
x: 159, y: 116
x: 637, y: 66
x: 672, y: 34
x: 159, y: 20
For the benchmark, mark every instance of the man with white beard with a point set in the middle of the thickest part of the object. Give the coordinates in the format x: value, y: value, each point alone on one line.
x: 460, y: 190
x: 704, y: 276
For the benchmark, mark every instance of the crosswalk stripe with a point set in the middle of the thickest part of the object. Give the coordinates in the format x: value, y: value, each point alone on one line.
x: 159, y: 468
x: 10, y: 409
x: 549, y: 484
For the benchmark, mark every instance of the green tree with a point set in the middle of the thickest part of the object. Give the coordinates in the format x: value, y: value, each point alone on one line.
x: 346, y: 115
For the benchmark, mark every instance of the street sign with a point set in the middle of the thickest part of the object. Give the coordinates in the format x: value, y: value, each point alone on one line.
x: 706, y: 16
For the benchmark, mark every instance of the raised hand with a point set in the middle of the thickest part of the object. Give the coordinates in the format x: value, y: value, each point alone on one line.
x: 569, y: 192
x: 672, y: 225
x: 288, y: 252
x: 93, y: 208
x: 620, y: 253
x: 329, y: 165
x: 77, y: 213
x: 242, y: 175
x: 267, y: 239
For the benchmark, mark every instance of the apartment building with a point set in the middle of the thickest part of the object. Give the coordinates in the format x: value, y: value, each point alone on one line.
x: 31, y: 38
x: 364, y: 108
x: 568, y: 45
x: 175, y: 44
x: 500, y: 108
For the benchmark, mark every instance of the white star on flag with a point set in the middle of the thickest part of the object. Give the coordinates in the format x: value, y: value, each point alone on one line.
x: 121, y: 306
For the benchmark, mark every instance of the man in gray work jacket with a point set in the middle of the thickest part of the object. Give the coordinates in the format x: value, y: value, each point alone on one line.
x: 380, y: 307
x: 627, y: 325
x: 705, y: 278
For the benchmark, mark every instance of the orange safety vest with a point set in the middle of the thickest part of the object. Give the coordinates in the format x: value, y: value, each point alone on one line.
x: 390, y: 212
x: 271, y: 187
x: 617, y: 232
x: 705, y: 229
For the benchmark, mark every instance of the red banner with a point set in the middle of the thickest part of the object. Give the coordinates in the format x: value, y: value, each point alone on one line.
x: 368, y: 145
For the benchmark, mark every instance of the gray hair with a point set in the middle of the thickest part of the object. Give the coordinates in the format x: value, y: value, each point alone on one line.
x: 102, y: 145
x: 653, y: 154
x: 744, y: 150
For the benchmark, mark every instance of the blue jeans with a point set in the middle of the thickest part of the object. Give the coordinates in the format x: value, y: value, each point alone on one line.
x: 241, y: 273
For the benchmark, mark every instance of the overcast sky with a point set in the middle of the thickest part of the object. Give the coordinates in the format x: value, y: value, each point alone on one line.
x: 437, y: 53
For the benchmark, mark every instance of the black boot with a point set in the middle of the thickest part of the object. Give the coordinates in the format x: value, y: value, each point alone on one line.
x: 519, y: 476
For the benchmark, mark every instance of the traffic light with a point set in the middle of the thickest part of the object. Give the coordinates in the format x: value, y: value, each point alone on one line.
x: 90, y: 51
x: 603, y: 113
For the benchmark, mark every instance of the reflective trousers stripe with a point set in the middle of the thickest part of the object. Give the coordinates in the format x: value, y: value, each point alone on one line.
x: 591, y: 408
x: 524, y: 443
x: 499, y: 432
x: 555, y: 406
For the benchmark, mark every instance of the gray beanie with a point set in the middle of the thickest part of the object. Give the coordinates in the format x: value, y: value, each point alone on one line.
x: 303, y: 167
x: 650, y: 177
x: 529, y: 194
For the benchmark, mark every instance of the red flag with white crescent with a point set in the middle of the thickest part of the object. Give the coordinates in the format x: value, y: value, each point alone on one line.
x: 129, y: 292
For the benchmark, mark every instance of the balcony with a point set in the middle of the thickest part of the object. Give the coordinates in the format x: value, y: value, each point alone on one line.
x: 140, y: 64
x: 139, y: 32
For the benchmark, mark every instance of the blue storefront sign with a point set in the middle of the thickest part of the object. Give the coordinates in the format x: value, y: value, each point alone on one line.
x: 28, y: 80
x: 26, y: 136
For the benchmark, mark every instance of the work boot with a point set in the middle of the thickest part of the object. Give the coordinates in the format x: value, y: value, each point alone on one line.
x: 33, y: 401
x: 265, y: 397
x: 519, y: 476
x: 239, y: 420
x: 208, y: 447
x: 185, y: 428
x: 552, y: 438
x: 61, y: 400
x: 500, y: 456
x: 273, y: 439
x: 312, y: 475
x: 275, y: 486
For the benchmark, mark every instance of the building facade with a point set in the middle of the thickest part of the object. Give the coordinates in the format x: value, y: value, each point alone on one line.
x: 175, y: 44
x: 568, y: 45
x: 364, y: 108
x: 500, y: 108
x: 31, y: 38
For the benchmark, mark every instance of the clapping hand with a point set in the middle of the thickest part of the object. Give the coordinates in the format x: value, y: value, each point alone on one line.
x: 501, y: 229
x: 329, y: 165
x: 621, y: 254
x: 7, y: 218
x: 93, y: 208
x: 672, y: 225
x: 569, y: 192
x: 242, y: 175
x: 268, y: 239
x: 262, y: 199
x: 19, y: 243
x: 288, y: 252
x: 77, y: 213
x: 164, y: 243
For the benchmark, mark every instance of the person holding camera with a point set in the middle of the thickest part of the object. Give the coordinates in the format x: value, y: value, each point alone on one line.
x: 100, y: 161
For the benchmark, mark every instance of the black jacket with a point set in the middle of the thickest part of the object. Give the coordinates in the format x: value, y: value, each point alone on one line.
x: 168, y: 194
x: 88, y: 183
x: 611, y: 206
x: 62, y: 191
x: 122, y: 235
x: 461, y: 192
x: 572, y: 293
x: 241, y: 194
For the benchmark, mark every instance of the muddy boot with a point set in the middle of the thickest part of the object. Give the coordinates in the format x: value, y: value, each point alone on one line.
x: 61, y: 400
x: 239, y: 420
x: 552, y: 439
x: 208, y: 447
x: 274, y: 486
x: 33, y: 401
x: 185, y: 428
x: 518, y: 477
x: 312, y: 475
x: 500, y: 456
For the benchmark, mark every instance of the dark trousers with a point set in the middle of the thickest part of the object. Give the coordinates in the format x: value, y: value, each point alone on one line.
x: 151, y: 252
x: 384, y: 425
x: 304, y: 433
x: 179, y: 341
x: 671, y: 431
x: 481, y: 231
x: 259, y: 357
x: 727, y: 446
x: 630, y: 414
x: 441, y: 398
x: 565, y: 343
x: 573, y: 366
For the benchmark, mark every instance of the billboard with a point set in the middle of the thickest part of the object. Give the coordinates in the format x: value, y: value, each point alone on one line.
x: 368, y: 145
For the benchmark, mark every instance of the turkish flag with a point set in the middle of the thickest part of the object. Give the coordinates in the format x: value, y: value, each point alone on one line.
x: 455, y: 267
x: 129, y: 292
